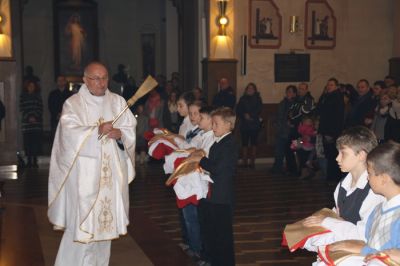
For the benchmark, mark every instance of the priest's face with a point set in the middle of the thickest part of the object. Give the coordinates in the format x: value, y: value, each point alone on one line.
x: 96, y: 79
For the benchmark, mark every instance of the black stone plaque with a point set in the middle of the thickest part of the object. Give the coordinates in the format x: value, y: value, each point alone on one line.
x: 292, y: 67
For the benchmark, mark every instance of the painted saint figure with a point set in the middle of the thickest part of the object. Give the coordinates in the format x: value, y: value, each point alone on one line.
x: 324, y: 27
x: 77, y: 35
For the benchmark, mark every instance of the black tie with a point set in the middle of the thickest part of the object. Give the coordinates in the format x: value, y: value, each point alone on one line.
x: 192, y: 133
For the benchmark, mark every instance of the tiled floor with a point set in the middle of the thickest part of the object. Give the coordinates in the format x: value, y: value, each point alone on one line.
x: 264, y: 204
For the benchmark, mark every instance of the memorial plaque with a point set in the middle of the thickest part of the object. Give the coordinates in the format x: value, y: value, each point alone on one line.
x: 292, y: 67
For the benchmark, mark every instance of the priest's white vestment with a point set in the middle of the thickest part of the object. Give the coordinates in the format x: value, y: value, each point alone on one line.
x: 88, y: 179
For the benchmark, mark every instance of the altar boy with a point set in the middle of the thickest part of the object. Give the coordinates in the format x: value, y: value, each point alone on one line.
x: 216, y: 212
x: 383, y: 226
x: 353, y: 196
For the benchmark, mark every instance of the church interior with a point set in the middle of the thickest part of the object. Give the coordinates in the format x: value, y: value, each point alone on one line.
x: 188, y: 44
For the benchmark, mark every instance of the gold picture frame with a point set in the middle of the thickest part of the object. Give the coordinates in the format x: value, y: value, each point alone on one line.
x: 320, y: 25
x: 265, y: 24
x: 6, y: 47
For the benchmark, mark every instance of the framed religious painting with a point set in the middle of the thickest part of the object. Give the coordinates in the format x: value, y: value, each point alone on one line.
x: 75, y: 37
x: 6, y: 47
x: 320, y: 25
x: 265, y: 24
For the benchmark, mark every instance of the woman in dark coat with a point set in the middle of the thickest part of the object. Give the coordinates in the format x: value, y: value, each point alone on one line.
x: 31, y: 108
x: 249, y: 110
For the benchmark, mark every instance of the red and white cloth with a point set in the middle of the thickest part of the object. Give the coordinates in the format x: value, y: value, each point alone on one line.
x: 173, y: 160
x: 161, y: 147
x: 191, y: 188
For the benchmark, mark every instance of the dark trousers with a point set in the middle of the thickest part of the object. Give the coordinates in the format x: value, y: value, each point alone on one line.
x: 280, y: 147
x: 217, y: 233
x: 332, y: 168
x: 303, y: 157
x: 291, y: 163
x: 32, y: 142
x: 185, y: 238
x: 190, y: 215
x: 249, y: 137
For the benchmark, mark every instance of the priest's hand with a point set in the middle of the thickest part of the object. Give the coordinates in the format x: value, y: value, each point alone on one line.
x: 105, y: 128
x: 115, y: 133
x: 353, y: 246
x: 314, y: 220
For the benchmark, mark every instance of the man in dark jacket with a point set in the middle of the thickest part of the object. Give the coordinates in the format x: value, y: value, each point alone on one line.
x: 363, y: 106
x: 331, y: 119
x: 56, y: 100
x: 226, y: 95
x: 303, y: 105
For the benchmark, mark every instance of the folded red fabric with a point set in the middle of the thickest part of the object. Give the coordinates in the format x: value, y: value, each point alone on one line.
x: 161, y: 151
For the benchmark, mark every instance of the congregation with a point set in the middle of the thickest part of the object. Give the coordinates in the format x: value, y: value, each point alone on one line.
x: 311, y: 137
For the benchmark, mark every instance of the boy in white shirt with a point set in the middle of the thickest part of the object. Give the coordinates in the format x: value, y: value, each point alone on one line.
x: 192, y: 140
x: 383, y: 225
x: 354, y: 199
x: 193, y: 136
x: 193, y: 187
x: 184, y: 101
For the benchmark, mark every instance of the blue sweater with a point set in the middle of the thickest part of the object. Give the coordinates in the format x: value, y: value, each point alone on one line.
x: 382, y: 230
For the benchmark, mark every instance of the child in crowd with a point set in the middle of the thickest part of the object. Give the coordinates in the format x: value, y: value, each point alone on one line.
x: 306, y: 151
x: 184, y: 101
x: 380, y: 116
x: 190, y: 142
x: 353, y: 196
x: 189, y: 212
x: 205, y: 124
x: 173, y: 111
x: 216, y: 212
x: 192, y: 136
x: 195, y: 182
x: 383, y: 226
x: 141, y: 127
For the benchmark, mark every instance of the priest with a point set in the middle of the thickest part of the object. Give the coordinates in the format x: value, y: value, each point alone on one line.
x: 88, y: 179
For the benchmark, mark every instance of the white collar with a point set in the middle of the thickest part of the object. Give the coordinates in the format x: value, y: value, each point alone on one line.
x: 361, y: 182
x: 186, y: 120
x: 218, y: 139
x: 393, y: 202
x: 207, y: 133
